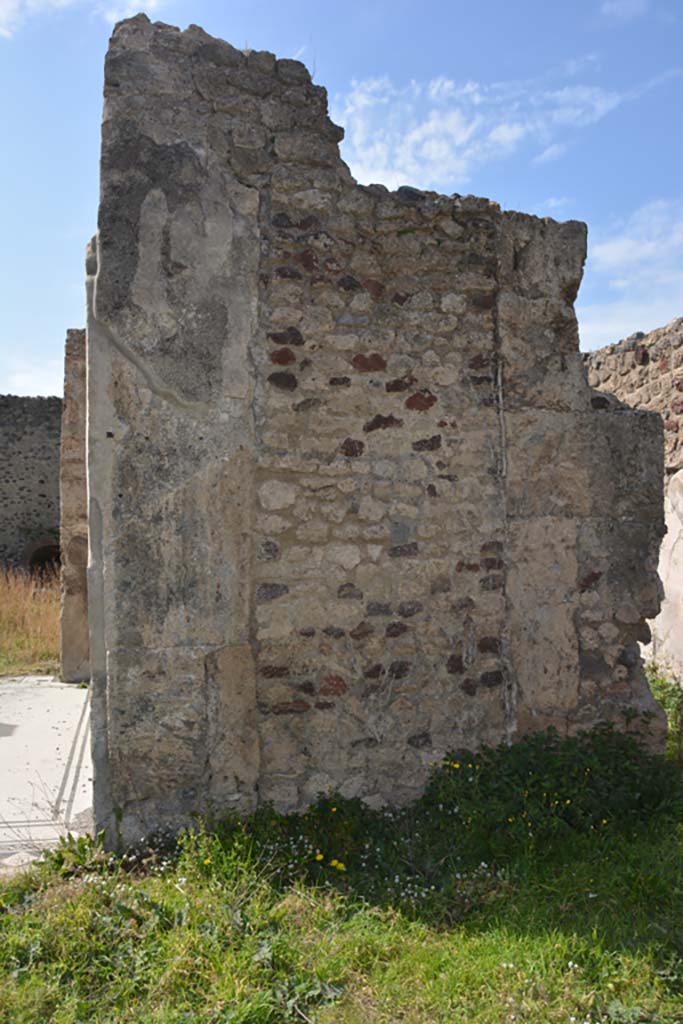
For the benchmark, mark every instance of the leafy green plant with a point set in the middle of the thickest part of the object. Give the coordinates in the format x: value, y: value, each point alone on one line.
x: 669, y: 692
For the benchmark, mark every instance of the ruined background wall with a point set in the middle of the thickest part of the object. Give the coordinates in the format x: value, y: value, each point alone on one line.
x: 74, y: 515
x: 29, y: 476
x: 646, y: 370
x: 352, y: 502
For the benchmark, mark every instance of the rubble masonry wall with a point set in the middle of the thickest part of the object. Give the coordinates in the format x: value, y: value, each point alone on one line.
x: 29, y: 477
x: 352, y: 501
x: 646, y: 370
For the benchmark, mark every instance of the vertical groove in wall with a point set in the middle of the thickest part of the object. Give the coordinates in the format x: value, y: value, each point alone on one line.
x: 510, y: 695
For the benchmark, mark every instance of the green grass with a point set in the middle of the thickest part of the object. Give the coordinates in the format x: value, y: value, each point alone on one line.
x: 669, y: 693
x: 534, y: 884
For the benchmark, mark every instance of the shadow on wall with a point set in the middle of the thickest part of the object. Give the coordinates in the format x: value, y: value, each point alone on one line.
x: 42, y: 557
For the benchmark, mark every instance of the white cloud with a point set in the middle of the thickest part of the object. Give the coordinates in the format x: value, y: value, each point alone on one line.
x: 120, y: 9
x: 624, y: 10
x: 15, y: 13
x: 552, y: 152
x: 31, y: 377
x: 556, y: 202
x: 576, y: 65
x: 638, y: 266
x: 436, y: 134
x: 580, y: 104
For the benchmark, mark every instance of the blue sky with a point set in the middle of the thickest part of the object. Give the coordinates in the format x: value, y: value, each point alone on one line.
x: 568, y: 108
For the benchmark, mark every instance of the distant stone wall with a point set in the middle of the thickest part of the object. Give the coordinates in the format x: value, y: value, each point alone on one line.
x: 29, y: 477
x: 646, y: 370
x: 74, y: 515
x: 352, y: 501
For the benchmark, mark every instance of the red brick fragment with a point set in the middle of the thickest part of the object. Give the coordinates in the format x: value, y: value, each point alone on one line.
x: 306, y: 259
x: 376, y: 288
x: 333, y: 686
x: 282, y: 356
x: 589, y: 580
x: 421, y: 401
x: 369, y: 363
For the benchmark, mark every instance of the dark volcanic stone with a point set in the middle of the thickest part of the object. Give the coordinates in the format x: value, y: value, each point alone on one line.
x: 290, y: 336
x: 283, y: 381
x: 352, y: 448
x: 271, y: 591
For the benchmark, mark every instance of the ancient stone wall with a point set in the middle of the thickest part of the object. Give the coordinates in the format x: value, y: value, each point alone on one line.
x: 29, y: 478
x: 646, y: 370
x: 352, y: 501
x: 74, y: 515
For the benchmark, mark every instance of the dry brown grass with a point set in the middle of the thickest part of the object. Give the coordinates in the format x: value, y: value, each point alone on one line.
x: 29, y: 623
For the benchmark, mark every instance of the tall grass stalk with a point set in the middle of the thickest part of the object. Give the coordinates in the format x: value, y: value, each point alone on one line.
x: 29, y: 623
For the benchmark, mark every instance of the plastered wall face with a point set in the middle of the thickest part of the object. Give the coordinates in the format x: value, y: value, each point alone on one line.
x: 74, y: 515
x: 646, y: 370
x: 352, y: 501
x: 29, y: 476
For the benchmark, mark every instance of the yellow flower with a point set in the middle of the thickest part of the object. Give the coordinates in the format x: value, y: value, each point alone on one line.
x: 567, y: 801
x: 208, y: 860
x: 340, y: 866
x: 455, y: 764
x: 333, y: 863
x: 319, y: 856
x: 604, y: 821
x: 511, y: 820
x: 334, y: 809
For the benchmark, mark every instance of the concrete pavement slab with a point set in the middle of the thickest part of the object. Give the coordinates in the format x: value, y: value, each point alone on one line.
x: 45, y: 765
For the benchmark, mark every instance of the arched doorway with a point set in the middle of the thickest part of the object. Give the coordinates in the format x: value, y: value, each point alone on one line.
x: 42, y: 557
